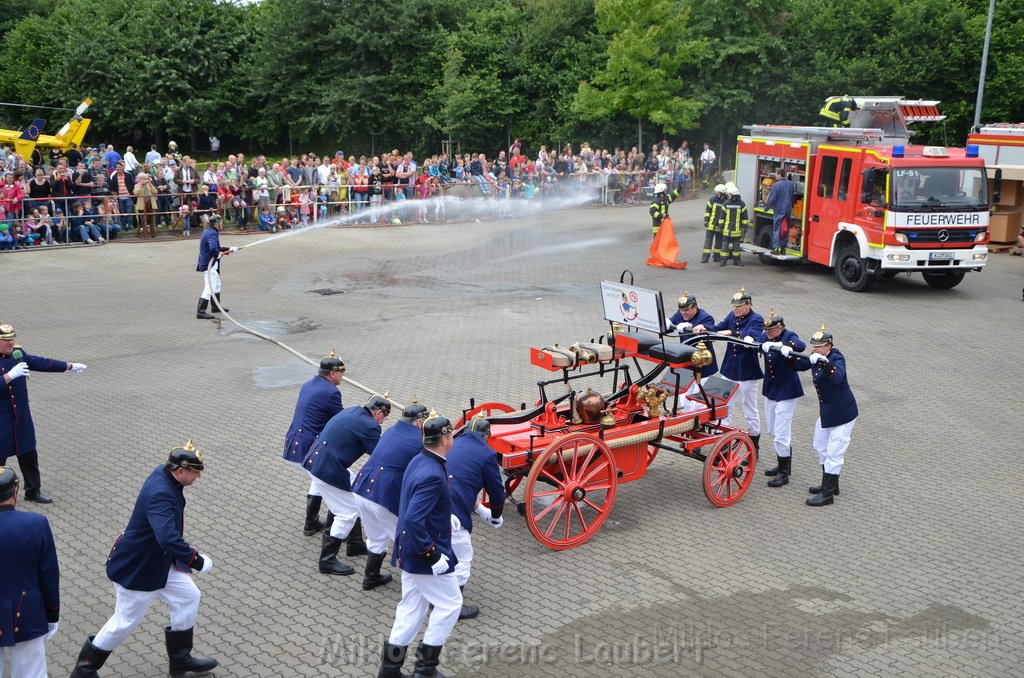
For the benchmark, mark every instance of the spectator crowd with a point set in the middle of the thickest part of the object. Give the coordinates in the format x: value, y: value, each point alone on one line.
x: 95, y: 194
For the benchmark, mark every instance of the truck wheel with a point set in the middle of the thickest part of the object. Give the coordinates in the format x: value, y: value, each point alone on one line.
x: 851, y: 271
x: 946, y: 280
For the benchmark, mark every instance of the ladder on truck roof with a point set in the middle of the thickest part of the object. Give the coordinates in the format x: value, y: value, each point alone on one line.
x: 854, y: 136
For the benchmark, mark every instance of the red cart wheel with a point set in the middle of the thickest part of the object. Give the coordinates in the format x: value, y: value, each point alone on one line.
x: 570, y: 491
x: 728, y: 469
x: 488, y: 409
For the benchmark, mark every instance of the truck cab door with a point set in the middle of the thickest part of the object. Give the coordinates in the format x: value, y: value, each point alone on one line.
x: 824, y: 208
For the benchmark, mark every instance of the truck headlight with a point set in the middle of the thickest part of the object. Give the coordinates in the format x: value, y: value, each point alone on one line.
x: 898, y: 257
x: 981, y: 237
x: 979, y: 256
x: 901, y: 238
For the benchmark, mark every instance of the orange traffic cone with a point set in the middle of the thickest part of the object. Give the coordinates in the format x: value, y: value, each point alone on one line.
x: 664, y: 248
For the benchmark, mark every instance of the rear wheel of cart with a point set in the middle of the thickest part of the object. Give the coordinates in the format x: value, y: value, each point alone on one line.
x: 728, y: 469
x: 570, y: 491
x: 946, y: 280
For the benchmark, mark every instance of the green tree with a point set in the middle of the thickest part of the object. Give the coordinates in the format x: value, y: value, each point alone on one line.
x: 642, y: 78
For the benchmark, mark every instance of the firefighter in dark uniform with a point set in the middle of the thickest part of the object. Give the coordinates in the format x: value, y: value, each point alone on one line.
x: 423, y: 550
x: 17, y: 432
x: 29, y: 584
x: 210, y: 252
x: 713, y: 223
x: 836, y: 111
x: 659, y: 207
x: 735, y: 222
x: 741, y: 364
x: 684, y: 320
x: 319, y: 400
x: 151, y: 559
x: 837, y: 413
x: 781, y: 388
x: 378, y: 486
x: 472, y: 467
x: 347, y: 436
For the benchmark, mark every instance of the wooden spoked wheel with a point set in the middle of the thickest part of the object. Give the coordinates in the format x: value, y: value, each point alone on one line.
x: 488, y: 409
x: 729, y: 469
x: 570, y: 491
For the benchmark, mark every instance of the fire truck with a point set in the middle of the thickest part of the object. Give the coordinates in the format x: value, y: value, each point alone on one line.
x: 868, y: 202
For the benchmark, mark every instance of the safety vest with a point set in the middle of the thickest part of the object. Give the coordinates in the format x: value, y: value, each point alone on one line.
x: 659, y: 208
x: 835, y: 107
x: 735, y: 218
x: 712, y: 214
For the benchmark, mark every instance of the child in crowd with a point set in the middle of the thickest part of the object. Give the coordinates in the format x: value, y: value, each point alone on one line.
x: 267, y: 220
x: 29, y: 234
x: 44, y: 226
x: 322, y: 204
x: 293, y: 217
x: 306, y: 202
x: 281, y: 214
x: 60, y: 224
x: 376, y: 188
x: 6, y: 241
x: 207, y: 201
x: 185, y: 217
x: 19, y: 237
x: 529, y: 189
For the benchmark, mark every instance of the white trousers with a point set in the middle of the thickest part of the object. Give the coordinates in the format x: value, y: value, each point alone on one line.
x: 831, y: 443
x: 28, y: 659
x: 748, y: 394
x: 778, y: 420
x: 378, y: 523
x: 211, y: 283
x: 688, y: 405
x: 181, y: 595
x: 419, y: 591
x: 341, y: 503
x: 462, y: 545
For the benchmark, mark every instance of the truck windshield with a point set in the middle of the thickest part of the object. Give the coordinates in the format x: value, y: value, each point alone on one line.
x: 933, y: 189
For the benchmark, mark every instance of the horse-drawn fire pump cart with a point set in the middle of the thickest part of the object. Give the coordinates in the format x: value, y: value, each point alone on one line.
x: 571, y: 467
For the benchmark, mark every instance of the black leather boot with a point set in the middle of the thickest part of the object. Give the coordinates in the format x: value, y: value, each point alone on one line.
x: 354, y: 544
x: 724, y: 260
x: 757, y: 442
x: 216, y: 308
x: 816, y: 489
x: 313, y: 522
x: 201, y: 310
x: 736, y: 260
x: 329, y: 563
x: 704, y: 258
x: 468, y: 611
x: 90, y: 660
x: 179, y: 650
x: 824, y: 498
x: 372, y: 578
x: 782, y: 477
x: 391, y: 659
x: 427, y: 659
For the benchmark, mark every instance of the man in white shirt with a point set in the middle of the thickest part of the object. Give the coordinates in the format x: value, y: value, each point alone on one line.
x: 707, y: 165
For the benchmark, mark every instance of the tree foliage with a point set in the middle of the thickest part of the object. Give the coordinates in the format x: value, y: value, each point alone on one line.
x: 350, y: 73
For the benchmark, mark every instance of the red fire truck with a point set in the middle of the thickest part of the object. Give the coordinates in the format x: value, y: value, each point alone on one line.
x: 868, y: 202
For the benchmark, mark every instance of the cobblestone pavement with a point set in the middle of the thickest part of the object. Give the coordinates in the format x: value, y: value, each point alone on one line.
x: 914, y: 570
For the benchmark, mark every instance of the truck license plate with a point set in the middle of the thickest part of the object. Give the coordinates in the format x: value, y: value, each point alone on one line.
x: 940, y: 255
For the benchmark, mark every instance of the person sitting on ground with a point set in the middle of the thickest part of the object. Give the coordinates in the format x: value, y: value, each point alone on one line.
x: 6, y: 241
x: 267, y: 220
x: 84, y: 222
x: 589, y: 407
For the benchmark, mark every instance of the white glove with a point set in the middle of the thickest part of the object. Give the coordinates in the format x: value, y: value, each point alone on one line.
x: 768, y: 345
x: 496, y: 522
x: 817, y: 358
x: 207, y: 563
x: 483, y: 511
x: 77, y: 368
x: 748, y: 339
x: 684, y: 327
x: 19, y: 370
x: 51, y: 631
x: 785, y: 350
x: 441, y: 566
x: 231, y: 250
x: 456, y: 523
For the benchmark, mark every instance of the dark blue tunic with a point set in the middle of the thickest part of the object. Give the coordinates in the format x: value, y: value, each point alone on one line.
x: 473, y: 466
x: 17, y: 432
x: 424, y: 531
x: 29, y: 576
x: 319, y: 400
x: 837, y: 405
x: 380, y: 479
x: 347, y: 436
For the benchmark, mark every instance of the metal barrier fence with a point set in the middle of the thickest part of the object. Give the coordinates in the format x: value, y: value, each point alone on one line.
x: 295, y: 206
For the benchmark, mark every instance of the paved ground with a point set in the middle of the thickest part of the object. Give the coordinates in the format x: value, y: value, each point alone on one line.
x: 915, y: 569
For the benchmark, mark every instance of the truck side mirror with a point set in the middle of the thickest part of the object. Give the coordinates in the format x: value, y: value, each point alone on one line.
x: 997, y: 185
